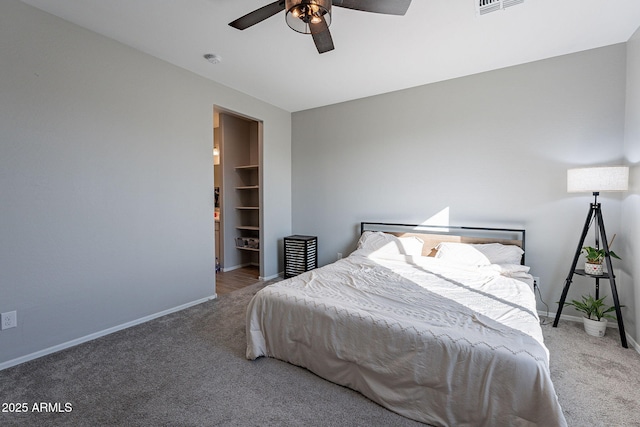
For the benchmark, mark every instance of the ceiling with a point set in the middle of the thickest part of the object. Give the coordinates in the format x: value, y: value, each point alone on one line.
x: 436, y: 40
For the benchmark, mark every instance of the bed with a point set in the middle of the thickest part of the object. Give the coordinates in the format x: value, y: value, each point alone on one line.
x: 441, y: 328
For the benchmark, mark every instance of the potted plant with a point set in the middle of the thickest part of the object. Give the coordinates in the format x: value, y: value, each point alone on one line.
x: 595, y: 314
x: 595, y: 256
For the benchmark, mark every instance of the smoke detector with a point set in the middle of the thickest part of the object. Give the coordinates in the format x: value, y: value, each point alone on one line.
x: 485, y: 6
x: 213, y: 58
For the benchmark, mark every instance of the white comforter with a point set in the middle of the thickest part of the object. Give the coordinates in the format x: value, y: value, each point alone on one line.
x: 440, y: 343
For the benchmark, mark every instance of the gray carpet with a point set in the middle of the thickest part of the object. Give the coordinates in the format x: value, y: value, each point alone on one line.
x: 189, y: 369
x: 596, y: 379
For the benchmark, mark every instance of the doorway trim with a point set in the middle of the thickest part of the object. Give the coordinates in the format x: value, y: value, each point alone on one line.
x: 217, y: 110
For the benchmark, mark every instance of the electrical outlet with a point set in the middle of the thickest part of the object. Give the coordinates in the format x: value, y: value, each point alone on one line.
x: 9, y: 320
x: 339, y: 256
x: 536, y: 282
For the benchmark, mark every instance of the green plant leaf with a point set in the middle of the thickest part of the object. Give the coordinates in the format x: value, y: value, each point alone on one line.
x: 592, y: 307
x: 594, y: 255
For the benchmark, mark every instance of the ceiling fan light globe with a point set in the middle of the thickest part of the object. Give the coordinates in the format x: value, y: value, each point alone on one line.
x: 300, y: 13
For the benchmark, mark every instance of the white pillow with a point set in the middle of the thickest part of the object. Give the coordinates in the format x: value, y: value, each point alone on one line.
x: 501, y: 254
x: 388, y: 244
x: 512, y: 269
x: 479, y: 254
x: 461, y: 253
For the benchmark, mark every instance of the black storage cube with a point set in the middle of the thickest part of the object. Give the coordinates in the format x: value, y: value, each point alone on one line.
x: 300, y: 254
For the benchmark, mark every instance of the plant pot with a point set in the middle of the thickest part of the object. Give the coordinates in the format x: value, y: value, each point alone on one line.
x: 594, y: 269
x: 595, y: 328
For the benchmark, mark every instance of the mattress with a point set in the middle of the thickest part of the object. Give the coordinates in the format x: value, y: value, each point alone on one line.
x: 443, y: 343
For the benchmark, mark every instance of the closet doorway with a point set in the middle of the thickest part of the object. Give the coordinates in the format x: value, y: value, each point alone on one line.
x: 237, y: 154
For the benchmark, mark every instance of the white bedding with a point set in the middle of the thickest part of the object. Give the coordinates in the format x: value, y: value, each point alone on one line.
x: 445, y: 344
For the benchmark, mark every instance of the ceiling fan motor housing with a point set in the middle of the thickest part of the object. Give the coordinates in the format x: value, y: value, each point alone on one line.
x: 301, y: 13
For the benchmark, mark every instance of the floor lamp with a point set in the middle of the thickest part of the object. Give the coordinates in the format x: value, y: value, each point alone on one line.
x: 596, y: 180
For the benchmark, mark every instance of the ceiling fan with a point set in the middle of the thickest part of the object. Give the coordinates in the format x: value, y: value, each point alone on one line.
x: 314, y: 16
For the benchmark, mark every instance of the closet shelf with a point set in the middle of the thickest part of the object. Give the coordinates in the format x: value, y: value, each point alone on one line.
x: 248, y: 207
x: 248, y: 187
x: 246, y: 167
x: 247, y: 227
x: 243, y: 248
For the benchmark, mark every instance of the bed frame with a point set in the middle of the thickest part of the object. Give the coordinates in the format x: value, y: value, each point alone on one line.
x: 432, y: 235
x: 407, y: 337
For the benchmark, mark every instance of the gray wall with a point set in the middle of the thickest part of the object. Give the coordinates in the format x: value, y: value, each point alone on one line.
x: 630, y: 277
x: 106, y: 182
x: 490, y: 150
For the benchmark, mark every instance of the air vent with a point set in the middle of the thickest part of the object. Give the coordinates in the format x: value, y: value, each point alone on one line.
x: 486, y: 6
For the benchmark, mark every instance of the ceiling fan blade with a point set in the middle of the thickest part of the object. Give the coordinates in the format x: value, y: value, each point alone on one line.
x: 321, y: 36
x: 258, y: 15
x: 387, y: 7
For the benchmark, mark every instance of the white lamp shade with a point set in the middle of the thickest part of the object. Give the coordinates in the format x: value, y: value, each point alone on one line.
x: 610, y: 178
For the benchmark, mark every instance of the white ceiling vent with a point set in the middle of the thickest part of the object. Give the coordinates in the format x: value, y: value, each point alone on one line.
x: 486, y: 6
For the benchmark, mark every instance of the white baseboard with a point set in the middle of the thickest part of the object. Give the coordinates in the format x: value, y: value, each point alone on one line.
x: 235, y: 267
x: 90, y: 337
x: 612, y: 324
x: 281, y: 275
